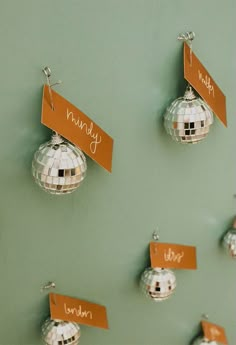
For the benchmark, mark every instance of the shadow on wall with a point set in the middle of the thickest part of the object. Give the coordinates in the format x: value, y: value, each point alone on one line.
x: 178, y: 91
x: 146, y: 264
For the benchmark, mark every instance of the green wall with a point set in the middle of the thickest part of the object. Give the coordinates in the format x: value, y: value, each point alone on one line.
x: 120, y: 62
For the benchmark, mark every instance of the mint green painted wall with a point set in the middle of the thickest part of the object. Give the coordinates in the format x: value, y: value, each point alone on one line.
x: 120, y: 63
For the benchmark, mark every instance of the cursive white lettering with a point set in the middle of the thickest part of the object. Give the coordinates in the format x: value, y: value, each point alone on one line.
x: 78, y: 312
x: 170, y: 255
x: 206, y: 81
x: 87, y: 128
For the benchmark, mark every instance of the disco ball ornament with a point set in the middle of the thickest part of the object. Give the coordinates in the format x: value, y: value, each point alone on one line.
x: 158, y: 284
x: 188, y: 119
x: 58, y: 166
x: 229, y: 241
x: 56, y: 332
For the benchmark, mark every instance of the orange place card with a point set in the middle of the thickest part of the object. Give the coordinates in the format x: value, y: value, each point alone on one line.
x: 75, y: 310
x: 168, y: 255
x: 75, y: 126
x: 197, y: 75
x: 214, y: 332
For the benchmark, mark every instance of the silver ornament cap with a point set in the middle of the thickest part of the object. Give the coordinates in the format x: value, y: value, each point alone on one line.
x: 58, y: 166
x: 188, y: 119
x: 56, y: 332
x: 158, y: 284
x: 229, y: 241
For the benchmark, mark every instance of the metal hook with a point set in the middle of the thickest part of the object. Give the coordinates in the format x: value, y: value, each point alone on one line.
x: 155, y: 235
x: 188, y: 37
x: 47, y: 71
x: 49, y: 285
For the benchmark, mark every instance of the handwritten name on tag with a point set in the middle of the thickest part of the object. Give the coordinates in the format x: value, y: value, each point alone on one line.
x: 75, y: 310
x: 213, y: 332
x: 197, y: 75
x: 168, y: 255
x: 75, y: 126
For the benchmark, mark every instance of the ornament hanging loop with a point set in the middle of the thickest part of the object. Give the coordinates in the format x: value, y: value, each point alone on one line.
x: 188, y: 37
x: 48, y: 286
x: 48, y: 73
x: 155, y: 236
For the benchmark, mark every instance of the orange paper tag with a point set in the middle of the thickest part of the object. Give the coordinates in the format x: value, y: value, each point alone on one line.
x: 197, y: 75
x: 75, y: 310
x: 168, y: 255
x: 75, y: 126
x: 214, y: 332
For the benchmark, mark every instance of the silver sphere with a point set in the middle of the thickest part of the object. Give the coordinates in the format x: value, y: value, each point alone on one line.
x: 58, y: 166
x: 188, y: 119
x: 158, y: 284
x: 55, y: 332
x: 229, y: 242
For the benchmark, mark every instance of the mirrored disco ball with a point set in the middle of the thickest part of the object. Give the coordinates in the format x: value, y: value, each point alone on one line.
x: 58, y: 166
x: 188, y: 119
x: 158, y: 283
x: 55, y: 332
x: 230, y: 242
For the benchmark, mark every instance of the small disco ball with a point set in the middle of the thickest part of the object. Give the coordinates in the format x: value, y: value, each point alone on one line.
x: 229, y: 242
x: 158, y: 284
x: 56, y: 332
x: 188, y: 119
x: 58, y: 166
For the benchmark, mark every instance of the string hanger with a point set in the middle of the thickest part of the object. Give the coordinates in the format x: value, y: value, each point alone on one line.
x: 188, y: 37
x: 48, y: 73
x: 155, y: 235
x: 48, y: 286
